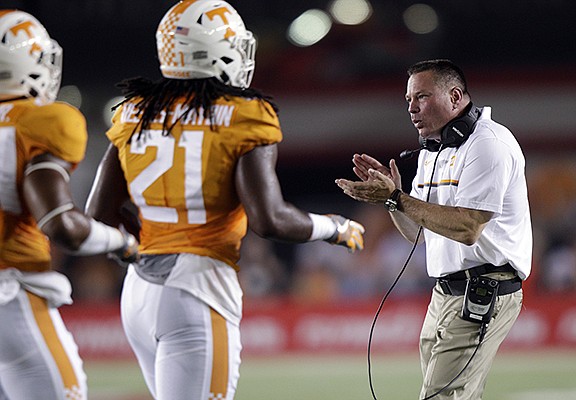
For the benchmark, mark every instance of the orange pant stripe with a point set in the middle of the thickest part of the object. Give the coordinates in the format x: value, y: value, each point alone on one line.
x: 44, y: 321
x: 219, y: 384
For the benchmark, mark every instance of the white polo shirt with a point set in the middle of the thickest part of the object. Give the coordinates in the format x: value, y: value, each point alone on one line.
x: 485, y: 173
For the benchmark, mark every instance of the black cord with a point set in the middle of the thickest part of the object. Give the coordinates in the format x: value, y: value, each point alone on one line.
x: 483, y: 328
x: 380, y: 309
x: 372, y: 327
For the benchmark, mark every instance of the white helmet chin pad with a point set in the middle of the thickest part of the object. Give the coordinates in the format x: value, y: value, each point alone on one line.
x: 204, y: 39
x: 30, y: 61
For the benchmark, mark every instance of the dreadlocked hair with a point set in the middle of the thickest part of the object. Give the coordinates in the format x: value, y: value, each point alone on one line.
x: 198, y: 94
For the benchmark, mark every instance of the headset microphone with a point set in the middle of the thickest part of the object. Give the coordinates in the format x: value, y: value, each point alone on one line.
x: 425, y: 144
x: 408, y: 154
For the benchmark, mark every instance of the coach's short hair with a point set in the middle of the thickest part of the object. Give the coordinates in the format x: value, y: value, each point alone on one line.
x: 446, y: 72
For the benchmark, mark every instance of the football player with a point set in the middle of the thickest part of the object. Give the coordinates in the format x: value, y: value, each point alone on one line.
x: 41, y: 142
x: 196, y: 153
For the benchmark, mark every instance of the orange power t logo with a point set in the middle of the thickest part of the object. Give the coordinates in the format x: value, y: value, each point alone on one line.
x: 25, y: 26
x: 221, y: 12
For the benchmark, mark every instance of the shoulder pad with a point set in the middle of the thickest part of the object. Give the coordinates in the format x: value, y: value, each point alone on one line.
x: 58, y: 128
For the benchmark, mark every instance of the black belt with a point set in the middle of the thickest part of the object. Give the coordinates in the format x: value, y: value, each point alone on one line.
x: 455, y: 284
x: 478, y: 271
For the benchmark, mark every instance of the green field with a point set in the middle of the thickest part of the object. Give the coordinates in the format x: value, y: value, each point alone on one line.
x: 536, y: 376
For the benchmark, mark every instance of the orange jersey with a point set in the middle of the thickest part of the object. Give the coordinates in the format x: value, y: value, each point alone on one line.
x: 28, y: 130
x: 183, y: 182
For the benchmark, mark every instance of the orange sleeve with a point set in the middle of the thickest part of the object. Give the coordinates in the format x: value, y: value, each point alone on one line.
x: 57, y: 128
x: 258, y: 125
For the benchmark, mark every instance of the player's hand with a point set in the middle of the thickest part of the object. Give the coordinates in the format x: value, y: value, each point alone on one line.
x: 128, y: 253
x: 348, y: 233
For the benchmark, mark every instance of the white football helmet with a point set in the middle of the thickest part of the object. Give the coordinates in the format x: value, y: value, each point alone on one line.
x: 203, y: 39
x: 30, y: 62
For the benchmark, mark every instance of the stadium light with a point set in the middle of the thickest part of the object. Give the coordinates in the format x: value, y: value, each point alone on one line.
x: 309, y: 28
x: 420, y: 18
x: 350, y: 12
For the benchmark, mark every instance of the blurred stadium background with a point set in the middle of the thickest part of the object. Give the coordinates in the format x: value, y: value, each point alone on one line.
x: 337, y: 70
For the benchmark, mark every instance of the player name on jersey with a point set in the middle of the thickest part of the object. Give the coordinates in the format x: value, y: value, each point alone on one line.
x: 221, y: 115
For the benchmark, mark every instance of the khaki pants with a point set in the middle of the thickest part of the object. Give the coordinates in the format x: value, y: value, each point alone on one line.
x: 447, y: 342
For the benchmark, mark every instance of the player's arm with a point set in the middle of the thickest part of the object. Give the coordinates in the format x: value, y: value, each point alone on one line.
x: 109, y: 200
x: 270, y: 216
x: 47, y: 195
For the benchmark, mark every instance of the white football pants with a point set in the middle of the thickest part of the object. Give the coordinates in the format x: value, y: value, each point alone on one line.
x: 38, y: 356
x: 185, y: 349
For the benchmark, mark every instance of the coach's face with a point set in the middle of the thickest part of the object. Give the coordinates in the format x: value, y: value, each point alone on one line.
x: 430, y: 106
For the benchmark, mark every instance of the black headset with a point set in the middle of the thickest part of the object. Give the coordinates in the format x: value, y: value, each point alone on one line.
x: 455, y: 132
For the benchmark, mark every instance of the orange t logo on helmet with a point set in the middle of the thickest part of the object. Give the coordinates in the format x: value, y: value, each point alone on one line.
x: 25, y: 26
x: 201, y: 39
x: 221, y: 12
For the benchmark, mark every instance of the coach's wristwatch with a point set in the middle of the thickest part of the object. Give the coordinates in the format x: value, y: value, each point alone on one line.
x: 392, y: 203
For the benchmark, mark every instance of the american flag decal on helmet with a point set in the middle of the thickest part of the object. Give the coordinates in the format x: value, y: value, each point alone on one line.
x: 180, y: 30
